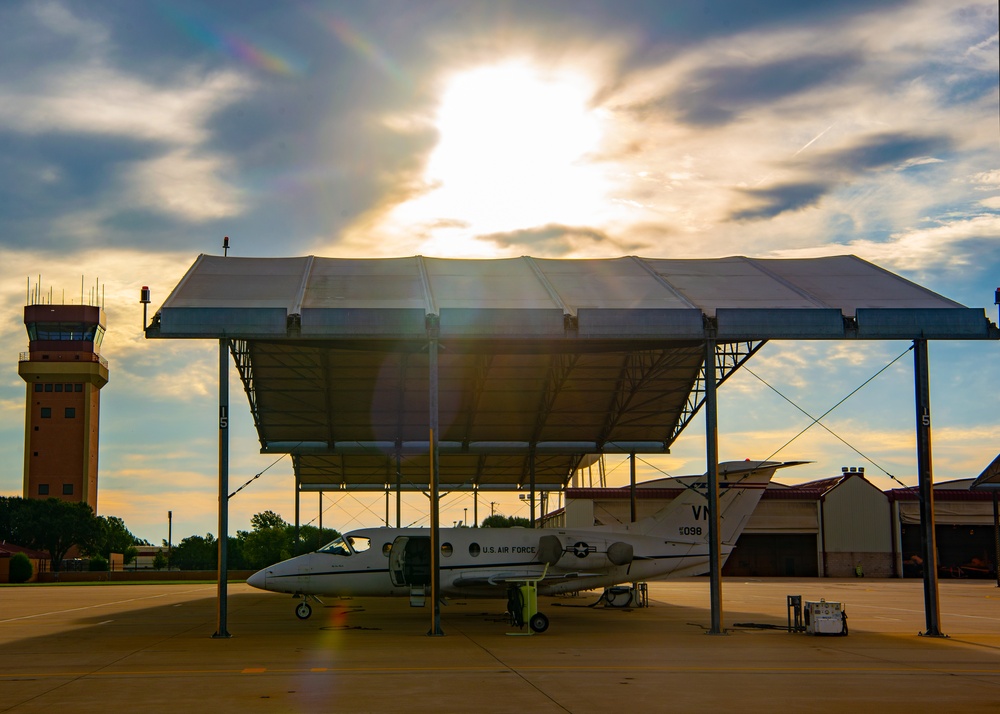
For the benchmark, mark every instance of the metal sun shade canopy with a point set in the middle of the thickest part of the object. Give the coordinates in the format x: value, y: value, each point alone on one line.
x: 543, y: 363
x: 989, y: 479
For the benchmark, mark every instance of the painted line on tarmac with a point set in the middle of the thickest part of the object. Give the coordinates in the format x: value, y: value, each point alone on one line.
x: 257, y: 671
x: 914, y: 610
x: 103, y: 604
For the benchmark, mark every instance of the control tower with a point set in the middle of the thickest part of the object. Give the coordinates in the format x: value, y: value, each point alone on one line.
x: 64, y: 372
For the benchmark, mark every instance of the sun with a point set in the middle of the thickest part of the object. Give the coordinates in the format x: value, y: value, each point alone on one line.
x: 515, y: 152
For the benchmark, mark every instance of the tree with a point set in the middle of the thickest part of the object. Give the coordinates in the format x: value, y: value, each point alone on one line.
x: 55, y: 526
x: 500, y: 521
x: 12, y: 520
x: 196, y: 553
x: 311, y: 538
x: 266, y: 546
x: 267, y: 519
x: 115, y: 538
x: 235, y: 557
x: 159, y: 560
x: 270, y: 541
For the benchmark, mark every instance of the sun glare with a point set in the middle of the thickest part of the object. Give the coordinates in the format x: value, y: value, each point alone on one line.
x: 513, y: 154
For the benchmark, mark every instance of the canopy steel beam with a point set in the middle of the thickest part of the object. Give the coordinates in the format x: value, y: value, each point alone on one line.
x: 732, y: 355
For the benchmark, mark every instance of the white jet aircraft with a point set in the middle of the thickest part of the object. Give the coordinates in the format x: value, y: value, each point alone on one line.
x: 487, y: 562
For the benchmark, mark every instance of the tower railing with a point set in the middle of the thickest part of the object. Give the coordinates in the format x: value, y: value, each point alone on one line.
x: 26, y: 357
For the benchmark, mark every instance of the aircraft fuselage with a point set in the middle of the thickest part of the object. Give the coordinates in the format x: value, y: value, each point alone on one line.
x: 479, y: 561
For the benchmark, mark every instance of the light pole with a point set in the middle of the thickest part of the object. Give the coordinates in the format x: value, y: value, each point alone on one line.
x: 170, y: 539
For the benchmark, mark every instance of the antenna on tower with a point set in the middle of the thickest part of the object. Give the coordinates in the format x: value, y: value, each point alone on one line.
x: 225, y: 247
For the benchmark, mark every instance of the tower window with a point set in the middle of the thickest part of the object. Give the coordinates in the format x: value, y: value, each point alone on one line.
x: 46, y: 412
x: 38, y: 387
x: 67, y: 489
x: 77, y: 387
x: 43, y: 489
x: 59, y: 387
x: 69, y: 387
x: 71, y: 412
x: 48, y: 387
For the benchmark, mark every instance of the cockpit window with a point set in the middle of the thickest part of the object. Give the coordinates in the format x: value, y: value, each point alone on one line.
x: 359, y: 544
x: 336, y: 547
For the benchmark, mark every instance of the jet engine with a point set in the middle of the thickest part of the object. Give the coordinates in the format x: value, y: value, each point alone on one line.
x: 574, y: 553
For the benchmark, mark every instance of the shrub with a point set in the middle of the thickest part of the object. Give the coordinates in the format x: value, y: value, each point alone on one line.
x: 20, y: 568
x: 98, y: 563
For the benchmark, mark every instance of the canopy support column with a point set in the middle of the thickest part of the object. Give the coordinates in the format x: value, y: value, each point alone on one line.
x: 631, y: 493
x: 221, y: 630
x: 925, y: 486
x: 712, y: 456
x: 298, y: 514
x: 432, y: 370
x: 531, y: 470
x: 399, y: 487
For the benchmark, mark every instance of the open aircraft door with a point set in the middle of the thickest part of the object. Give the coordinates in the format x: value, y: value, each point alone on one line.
x: 410, y: 561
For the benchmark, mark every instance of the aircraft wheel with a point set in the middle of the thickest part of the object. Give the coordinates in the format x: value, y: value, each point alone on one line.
x: 538, y: 623
x: 303, y: 610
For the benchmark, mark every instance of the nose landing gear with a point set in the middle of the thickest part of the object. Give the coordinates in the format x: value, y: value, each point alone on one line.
x: 303, y: 610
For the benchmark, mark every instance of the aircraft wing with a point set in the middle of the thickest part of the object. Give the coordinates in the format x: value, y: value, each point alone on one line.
x: 503, y: 578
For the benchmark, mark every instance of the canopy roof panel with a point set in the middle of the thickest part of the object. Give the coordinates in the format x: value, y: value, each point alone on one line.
x: 542, y: 362
x: 989, y: 479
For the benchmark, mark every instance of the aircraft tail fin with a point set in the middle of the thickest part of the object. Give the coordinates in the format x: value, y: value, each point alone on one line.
x: 741, y: 485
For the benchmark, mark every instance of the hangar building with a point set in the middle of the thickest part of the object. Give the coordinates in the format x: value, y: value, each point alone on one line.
x: 825, y: 528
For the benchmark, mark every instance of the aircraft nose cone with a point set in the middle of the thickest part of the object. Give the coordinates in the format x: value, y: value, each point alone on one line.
x: 258, y: 580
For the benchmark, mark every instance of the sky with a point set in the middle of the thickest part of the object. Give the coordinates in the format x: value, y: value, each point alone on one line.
x: 134, y: 136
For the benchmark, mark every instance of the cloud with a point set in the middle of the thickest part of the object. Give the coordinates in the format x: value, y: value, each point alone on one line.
x: 150, y: 138
x: 773, y: 201
x: 954, y: 246
x: 549, y: 240
x: 185, y: 184
x: 716, y: 95
x: 102, y: 100
x: 890, y: 150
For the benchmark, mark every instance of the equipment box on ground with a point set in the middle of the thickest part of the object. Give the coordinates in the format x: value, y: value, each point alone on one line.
x: 824, y: 618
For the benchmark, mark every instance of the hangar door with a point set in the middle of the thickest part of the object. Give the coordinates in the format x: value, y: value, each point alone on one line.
x: 774, y: 555
x: 964, y: 551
